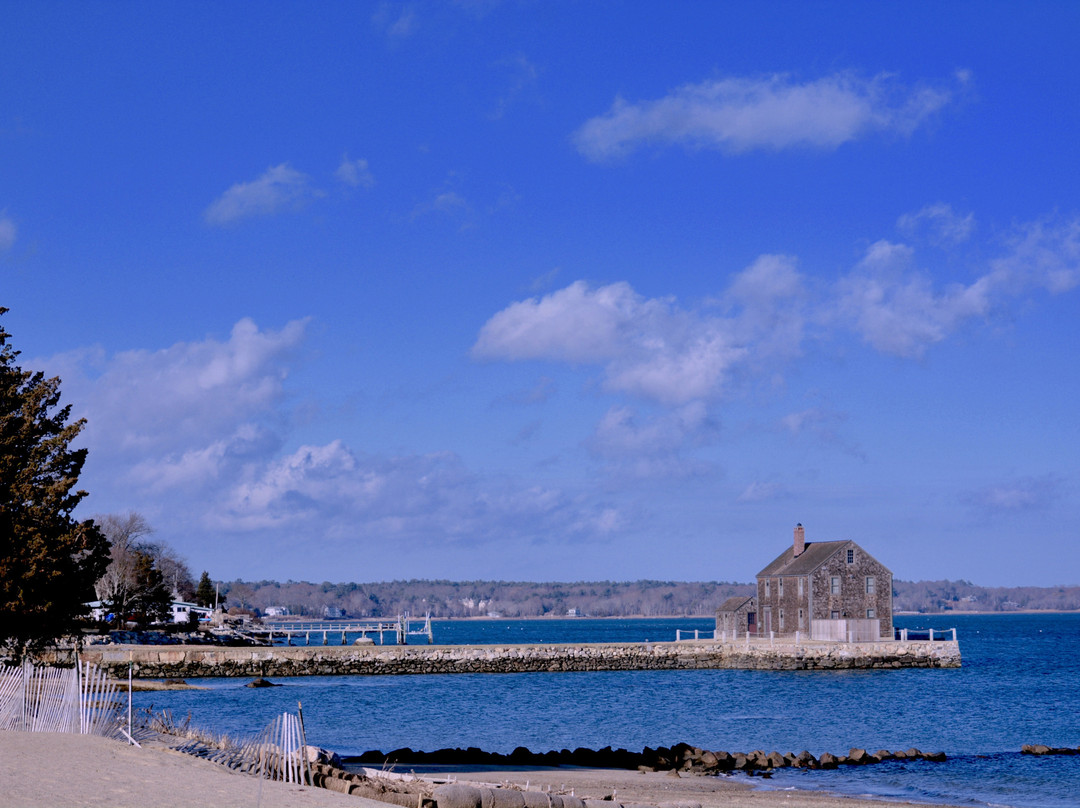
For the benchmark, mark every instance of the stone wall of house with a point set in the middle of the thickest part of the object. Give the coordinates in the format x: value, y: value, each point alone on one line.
x: 152, y: 662
x: 853, y: 600
x: 787, y: 599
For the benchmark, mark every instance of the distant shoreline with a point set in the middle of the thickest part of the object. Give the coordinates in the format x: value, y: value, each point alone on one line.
x: 712, y: 616
x: 541, y: 617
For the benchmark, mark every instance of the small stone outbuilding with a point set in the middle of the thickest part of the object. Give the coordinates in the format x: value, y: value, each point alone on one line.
x: 737, y: 616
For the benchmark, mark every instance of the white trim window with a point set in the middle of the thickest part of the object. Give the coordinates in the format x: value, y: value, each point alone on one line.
x: 834, y: 585
x: 871, y: 585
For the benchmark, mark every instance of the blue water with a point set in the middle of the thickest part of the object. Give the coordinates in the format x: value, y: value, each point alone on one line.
x: 1018, y: 685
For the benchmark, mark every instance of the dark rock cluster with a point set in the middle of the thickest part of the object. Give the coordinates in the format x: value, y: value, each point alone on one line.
x: 681, y: 757
x: 1042, y: 749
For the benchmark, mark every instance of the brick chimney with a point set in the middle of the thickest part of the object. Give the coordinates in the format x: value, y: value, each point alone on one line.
x: 800, y: 540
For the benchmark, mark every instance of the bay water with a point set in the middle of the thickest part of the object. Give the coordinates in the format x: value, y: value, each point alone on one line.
x: 1018, y: 684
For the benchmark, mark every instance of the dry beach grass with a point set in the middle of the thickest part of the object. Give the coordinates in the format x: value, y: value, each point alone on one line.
x: 42, y: 769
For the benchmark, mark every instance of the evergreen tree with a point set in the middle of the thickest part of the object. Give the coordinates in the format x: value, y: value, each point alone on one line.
x: 204, y: 592
x: 152, y: 602
x: 48, y: 560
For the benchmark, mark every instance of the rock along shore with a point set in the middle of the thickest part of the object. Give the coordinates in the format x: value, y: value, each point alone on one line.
x: 154, y: 662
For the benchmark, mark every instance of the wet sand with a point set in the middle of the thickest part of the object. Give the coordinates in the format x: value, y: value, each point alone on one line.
x: 650, y: 788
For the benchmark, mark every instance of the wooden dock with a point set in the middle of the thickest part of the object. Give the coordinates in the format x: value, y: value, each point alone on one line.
x: 335, y: 632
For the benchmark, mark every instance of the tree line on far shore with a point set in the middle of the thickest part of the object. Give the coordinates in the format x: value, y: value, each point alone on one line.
x: 459, y: 599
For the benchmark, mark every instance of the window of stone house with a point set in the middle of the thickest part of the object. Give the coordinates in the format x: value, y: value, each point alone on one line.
x: 780, y: 587
x: 801, y: 586
x: 871, y: 614
x: 834, y: 585
x: 801, y: 621
x: 835, y: 615
x: 851, y: 556
x: 768, y: 588
x: 781, y: 619
x: 871, y: 585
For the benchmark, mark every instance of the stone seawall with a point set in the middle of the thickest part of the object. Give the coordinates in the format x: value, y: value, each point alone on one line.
x: 152, y: 662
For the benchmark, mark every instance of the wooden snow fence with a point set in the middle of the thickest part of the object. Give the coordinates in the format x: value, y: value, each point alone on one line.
x: 41, y: 699
x: 279, y: 752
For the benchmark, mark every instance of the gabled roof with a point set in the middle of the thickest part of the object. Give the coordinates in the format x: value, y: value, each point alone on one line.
x: 815, y: 554
x: 734, y: 603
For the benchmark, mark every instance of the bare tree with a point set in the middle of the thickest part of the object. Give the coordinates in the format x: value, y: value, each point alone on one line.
x: 133, y: 585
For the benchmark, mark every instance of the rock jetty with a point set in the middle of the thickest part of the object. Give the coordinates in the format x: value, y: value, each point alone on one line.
x: 1043, y: 749
x: 681, y: 758
x: 155, y: 662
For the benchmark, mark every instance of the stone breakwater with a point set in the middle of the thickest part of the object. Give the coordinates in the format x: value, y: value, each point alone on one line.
x: 153, y: 662
x: 681, y: 757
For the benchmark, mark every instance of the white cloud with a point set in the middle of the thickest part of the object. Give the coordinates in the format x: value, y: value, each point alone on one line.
x: 279, y: 187
x: 650, y: 347
x: 773, y: 112
x: 897, y: 310
x: 8, y: 232
x: 1043, y: 254
x: 355, y: 173
x: 192, y: 392
x: 771, y: 298
x: 943, y: 224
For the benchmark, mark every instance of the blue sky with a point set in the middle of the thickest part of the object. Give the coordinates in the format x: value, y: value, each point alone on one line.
x: 556, y: 290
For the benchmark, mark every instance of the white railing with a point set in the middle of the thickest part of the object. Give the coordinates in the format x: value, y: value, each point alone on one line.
x: 698, y: 634
x: 933, y: 635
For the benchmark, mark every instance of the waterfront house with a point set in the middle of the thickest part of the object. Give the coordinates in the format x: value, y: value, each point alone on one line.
x: 833, y: 590
x: 182, y: 611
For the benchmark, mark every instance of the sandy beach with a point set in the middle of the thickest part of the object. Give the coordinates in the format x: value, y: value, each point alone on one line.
x: 42, y: 769
x: 658, y: 788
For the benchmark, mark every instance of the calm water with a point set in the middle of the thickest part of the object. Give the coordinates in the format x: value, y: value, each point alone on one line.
x: 1018, y: 685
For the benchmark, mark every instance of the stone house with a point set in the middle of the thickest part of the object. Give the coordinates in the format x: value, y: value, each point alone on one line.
x: 737, y: 616
x: 833, y: 590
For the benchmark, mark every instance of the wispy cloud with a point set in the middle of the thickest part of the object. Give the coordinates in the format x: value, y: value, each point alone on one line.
x: 944, y: 225
x: 1042, y: 254
x: 759, y: 491
x: 355, y: 173
x: 896, y: 308
x: 657, y: 446
x: 774, y: 112
x: 8, y: 232
x: 397, y: 21
x: 278, y: 187
x: 1022, y: 494
x: 521, y: 74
